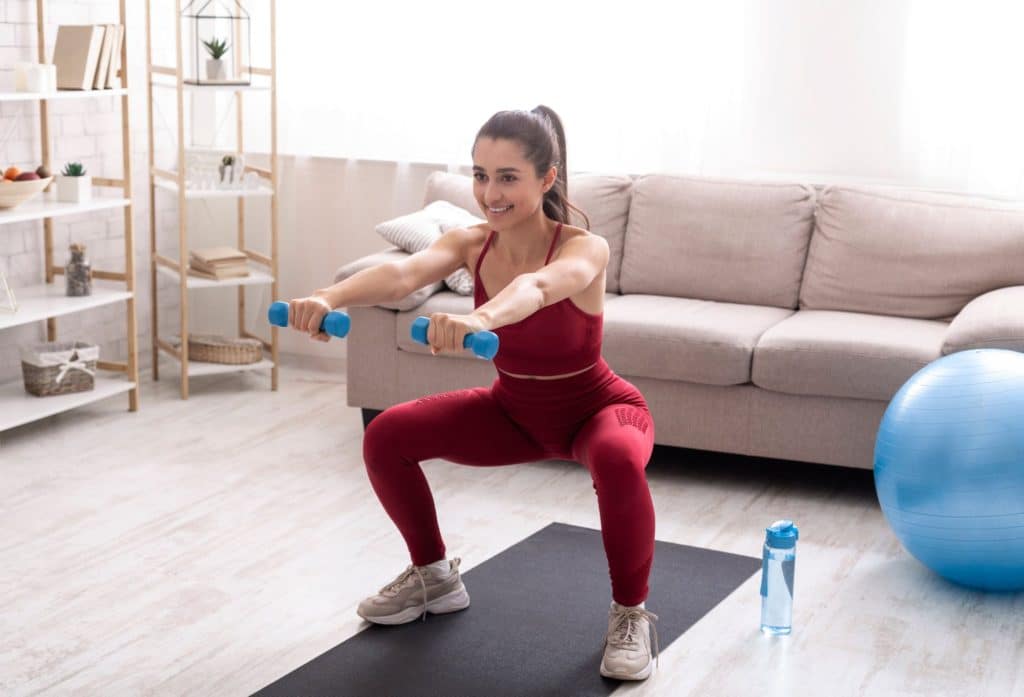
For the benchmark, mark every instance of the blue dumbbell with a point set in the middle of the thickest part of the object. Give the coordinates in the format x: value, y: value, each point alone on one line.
x: 336, y: 323
x: 484, y: 344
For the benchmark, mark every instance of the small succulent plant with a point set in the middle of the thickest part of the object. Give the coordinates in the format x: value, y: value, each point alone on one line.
x: 216, y: 47
x: 227, y: 160
x: 73, y: 169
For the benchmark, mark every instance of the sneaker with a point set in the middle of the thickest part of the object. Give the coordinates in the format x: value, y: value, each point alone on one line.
x: 627, y: 645
x: 415, y: 592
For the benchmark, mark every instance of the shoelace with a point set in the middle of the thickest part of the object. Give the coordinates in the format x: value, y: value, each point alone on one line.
x: 626, y: 630
x: 409, y: 571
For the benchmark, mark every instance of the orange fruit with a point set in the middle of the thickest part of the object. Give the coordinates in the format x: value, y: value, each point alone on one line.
x: 12, y: 173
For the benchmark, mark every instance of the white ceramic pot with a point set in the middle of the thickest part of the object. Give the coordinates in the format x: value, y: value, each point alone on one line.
x: 214, y: 69
x: 74, y: 189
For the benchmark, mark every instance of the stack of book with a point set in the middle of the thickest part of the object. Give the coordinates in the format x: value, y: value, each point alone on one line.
x: 217, y: 263
x: 88, y: 56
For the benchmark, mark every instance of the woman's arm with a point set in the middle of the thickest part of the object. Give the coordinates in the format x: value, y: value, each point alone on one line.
x: 382, y: 283
x: 579, y: 262
x: 395, y: 280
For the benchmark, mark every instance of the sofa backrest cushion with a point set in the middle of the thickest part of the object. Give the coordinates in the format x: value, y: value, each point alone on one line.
x: 910, y: 253
x: 605, y: 200
x: 717, y: 239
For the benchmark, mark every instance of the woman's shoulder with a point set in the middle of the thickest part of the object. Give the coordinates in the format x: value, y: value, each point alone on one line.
x: 571, y: 232
x: 583, y: 241
x: 469, y: 234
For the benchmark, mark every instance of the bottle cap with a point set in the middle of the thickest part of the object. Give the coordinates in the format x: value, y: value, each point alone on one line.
x: 782, y: 534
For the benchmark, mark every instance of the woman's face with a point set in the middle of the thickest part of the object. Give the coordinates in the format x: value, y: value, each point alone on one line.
x: 504, y: 182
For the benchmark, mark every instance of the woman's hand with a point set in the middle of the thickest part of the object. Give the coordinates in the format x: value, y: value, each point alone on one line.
x: 306, y: 314
x: 446, y: 331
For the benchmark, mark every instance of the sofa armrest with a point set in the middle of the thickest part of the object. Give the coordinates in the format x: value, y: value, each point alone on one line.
x: 414, y: 299
x: 992, y: 320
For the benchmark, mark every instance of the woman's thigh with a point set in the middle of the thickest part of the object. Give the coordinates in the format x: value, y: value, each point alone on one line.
x: 467, y: 427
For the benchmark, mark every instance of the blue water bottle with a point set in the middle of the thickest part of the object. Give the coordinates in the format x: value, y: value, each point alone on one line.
x: 777, y: 567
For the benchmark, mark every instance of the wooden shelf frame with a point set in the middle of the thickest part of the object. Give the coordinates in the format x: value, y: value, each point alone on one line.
x: 46, y: 302
x: 173, y: 184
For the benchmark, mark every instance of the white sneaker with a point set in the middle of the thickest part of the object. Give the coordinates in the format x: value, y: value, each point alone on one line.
x: 415, y: 592
x: 627, y: 645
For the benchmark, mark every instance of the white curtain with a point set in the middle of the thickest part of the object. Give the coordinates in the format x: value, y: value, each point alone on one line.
x: 913, y: 92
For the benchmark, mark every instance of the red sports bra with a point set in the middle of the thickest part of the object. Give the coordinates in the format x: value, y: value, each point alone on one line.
x: 560, y: 338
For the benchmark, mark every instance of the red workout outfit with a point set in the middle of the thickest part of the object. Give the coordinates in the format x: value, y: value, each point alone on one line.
x: 595, y: 418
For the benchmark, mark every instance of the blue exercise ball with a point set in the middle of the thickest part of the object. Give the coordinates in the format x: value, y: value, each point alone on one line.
x: 949, y: 467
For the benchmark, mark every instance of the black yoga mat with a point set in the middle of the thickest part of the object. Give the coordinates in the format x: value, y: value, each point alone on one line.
x: 535, y: 625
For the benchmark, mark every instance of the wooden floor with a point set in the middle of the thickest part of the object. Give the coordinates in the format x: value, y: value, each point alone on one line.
x: 208, y: 547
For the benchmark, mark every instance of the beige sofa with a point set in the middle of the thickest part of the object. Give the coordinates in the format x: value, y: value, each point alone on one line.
x: 763, y: 318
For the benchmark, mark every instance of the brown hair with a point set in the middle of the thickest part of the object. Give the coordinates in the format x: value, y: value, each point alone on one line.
x: 540, y: 133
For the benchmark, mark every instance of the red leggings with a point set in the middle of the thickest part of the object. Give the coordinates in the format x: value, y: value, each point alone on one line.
x: 595, y: 418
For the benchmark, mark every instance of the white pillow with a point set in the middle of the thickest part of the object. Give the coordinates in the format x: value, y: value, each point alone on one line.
x: 415, y: 232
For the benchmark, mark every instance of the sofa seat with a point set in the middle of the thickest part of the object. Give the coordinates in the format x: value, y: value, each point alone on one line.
x: 700, y: 341
x: 845, y: 354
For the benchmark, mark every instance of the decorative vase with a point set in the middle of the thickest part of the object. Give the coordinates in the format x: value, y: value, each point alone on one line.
x: 214, y: 69
x: 78, y: 272
x: 74, y: 189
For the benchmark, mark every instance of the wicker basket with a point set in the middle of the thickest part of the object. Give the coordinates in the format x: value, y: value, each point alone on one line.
x: 218, y: 349
x: 59, y: 367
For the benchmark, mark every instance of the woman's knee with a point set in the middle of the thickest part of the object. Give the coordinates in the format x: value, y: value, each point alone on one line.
x: 616, y: 459
x: 382, y: 435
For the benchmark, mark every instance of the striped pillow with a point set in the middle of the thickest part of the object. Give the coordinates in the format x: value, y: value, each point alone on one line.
x: 415, y: 232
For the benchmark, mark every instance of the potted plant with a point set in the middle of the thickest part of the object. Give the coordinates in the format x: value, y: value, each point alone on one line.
x: 74, y: 185
x: 214, y: 65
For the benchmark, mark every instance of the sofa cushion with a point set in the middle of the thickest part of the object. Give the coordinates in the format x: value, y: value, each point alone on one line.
x: 683, y: 339
x: 992, y: 320
x: 844, y: 354
x: 710, y: 239
x: 605, y: 200
x: 910, y: 253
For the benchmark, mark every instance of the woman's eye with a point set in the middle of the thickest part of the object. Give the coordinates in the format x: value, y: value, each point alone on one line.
x: 509, y: 178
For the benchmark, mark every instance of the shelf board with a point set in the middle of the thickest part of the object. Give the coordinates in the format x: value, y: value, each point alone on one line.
x: 172, y: 186
x: 37, y: 303
x: 202, y: 368
x: 18, y: 407
x: 61, y: 94
x: 189, y: 87
x: 255, y: 278
x: 47, y: 206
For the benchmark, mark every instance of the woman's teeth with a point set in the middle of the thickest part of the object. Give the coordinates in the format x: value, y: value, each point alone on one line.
x: 498, y: 211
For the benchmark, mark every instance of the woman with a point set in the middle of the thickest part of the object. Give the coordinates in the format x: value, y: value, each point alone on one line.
x: 539, y: 284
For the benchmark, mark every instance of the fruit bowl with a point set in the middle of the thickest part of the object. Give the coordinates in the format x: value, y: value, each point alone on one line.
x: 15, y: 193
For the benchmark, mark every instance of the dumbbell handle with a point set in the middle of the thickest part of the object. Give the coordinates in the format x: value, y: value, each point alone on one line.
x: 484, y: 344
x: 336, y: 323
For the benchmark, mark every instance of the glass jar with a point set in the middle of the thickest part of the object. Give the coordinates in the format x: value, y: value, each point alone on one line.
x: 78, y: 272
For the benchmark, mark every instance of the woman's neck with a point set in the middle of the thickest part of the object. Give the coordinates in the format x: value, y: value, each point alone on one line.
x: 527, y: 241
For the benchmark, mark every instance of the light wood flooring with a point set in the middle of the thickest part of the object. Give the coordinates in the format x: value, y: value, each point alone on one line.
x: 209, y: 547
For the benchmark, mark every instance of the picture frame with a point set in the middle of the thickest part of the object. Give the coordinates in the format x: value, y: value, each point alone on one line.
x: 8, y: 303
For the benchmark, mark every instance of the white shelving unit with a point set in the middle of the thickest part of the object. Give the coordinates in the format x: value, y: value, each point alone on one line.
x: 172, y: 186
x: 47, y: 206
x: 47, y: 302
x: 263, y: 267
x: 64, y: 94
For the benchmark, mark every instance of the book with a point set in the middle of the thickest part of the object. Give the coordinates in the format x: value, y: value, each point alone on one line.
x: 103, y: 64
x: 212, y: 255
x: 76, y: 53
x: 219, y: 275
x: 113, y: 79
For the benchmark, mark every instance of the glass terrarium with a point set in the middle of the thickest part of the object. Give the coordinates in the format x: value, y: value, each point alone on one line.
x: 215, y: 34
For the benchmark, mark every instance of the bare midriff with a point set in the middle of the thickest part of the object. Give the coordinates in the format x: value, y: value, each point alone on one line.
x: 547, y: 377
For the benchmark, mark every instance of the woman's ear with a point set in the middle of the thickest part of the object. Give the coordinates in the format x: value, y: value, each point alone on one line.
x: 549, y: 179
